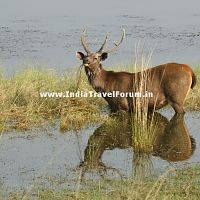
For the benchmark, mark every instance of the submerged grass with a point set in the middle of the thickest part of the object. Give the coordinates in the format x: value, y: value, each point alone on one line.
x: 172, y: 185
x: 22, y: 108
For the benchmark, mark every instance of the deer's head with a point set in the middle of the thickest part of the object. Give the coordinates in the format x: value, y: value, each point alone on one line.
x: 92, y: 61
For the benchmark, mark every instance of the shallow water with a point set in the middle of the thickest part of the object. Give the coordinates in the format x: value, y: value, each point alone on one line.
x: 47, y: 157
x: 32, y: 34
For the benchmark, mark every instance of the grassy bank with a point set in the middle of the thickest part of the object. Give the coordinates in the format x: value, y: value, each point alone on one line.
x: 22, y: 107
x: 172, y: 185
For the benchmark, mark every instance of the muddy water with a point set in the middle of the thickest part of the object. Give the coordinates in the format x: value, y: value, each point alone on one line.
x: 32, y: 34
x: 49, y: 158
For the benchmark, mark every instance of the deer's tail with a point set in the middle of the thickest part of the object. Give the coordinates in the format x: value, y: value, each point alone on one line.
x: 194, y: 80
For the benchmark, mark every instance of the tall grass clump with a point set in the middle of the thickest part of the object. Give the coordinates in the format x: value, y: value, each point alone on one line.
x: 22, y: 107
x: 143, y: 124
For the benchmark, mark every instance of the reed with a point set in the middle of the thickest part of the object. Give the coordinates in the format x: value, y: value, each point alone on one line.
x: 143, y: 124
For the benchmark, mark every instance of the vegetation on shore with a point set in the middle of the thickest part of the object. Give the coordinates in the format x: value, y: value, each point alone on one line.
x: 172, y: 185
x: 22, y: 108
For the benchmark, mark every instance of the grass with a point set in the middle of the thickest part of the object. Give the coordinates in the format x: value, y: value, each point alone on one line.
x: 22, y: 108
x: 172, y: 185
x: 193, y: 101
x: 143, y: 125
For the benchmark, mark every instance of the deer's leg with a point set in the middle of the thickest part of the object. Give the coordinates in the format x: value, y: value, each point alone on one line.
x: 177, y: 101
x: 178, y: 107
x: 177, y: 94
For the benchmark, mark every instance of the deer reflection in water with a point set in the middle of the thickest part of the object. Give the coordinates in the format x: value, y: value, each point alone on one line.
x: 172, y: 142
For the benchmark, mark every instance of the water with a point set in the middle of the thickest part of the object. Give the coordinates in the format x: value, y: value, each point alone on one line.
x: 31, y: 34
x: 34, y: 159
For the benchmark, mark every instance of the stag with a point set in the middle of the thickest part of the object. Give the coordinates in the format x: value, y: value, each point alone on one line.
x: 169, y: 83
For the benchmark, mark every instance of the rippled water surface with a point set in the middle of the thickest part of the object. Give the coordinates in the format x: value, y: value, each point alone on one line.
x: 48, y: 33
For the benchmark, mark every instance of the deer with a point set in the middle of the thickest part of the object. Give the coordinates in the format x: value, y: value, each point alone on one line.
x: 169, y: 83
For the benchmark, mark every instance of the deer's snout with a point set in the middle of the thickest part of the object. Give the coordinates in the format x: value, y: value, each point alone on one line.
x: 86, y: 61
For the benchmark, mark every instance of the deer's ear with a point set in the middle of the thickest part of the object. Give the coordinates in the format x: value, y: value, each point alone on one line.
x: 104, y: 55
x: 80, y: 55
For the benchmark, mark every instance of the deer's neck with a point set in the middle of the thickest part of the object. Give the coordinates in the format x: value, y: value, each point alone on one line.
x: 98, y: 82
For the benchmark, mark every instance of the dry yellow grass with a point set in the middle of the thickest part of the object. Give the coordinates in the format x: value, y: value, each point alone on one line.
x: 22, y: 107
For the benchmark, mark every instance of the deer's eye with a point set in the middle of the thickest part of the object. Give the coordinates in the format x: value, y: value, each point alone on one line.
x: 96, y: 58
